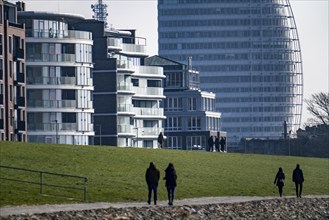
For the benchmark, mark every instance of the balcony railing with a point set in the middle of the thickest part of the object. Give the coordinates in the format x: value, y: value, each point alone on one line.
x: 34, y: 57
x: 124, y: 128
x: 124, y: 64
x: 143, y: 131
x: 59, y: 34
x: 125, y: 86
x: 52, y: 126
x: 151, y: 70
x: 149, y: 91
x: 125, y: 108
x: 148, y: 111
x: 133, y: 48
x: 52, y: 103
x: 114, y: 43
x: 51, y: 80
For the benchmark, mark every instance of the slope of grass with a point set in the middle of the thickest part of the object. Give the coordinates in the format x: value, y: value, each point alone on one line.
x: 118, y: 174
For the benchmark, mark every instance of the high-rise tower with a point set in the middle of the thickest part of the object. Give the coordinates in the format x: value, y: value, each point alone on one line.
x: 247, y: 52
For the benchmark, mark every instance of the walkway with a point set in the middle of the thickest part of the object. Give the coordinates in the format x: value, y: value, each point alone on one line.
x: 18, y: 210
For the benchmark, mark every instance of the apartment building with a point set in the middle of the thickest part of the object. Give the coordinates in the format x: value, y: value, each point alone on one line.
x: 13, y: 125
x: 59, y: 79
x: 128, y: 94
x: 190, y: 113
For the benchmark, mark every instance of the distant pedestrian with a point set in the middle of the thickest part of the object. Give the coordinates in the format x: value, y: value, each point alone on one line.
x: 222, y: 144
x: 211, y: 144
x: 152, y: 177
x: 160, y: 140
x: 217, y: 143
x: 279, y: 180
x: 171, y: 184
x: 298, y: 178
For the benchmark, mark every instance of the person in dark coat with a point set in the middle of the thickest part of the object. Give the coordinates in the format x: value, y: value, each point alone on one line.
x: 171, y: 184
x: 217, y: 144
x: 298, y: 178
x: 160, y: 140
x: 279, y: 180
x: 211, y: 144
x: 222, y: 144
x: 152, y: 177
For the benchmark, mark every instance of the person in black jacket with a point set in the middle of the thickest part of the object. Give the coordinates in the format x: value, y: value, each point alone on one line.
x: 279, y: 180
x: 211, y: 144
x: 217, y: 144
x: 152, y: 177
x: 298, y: 178
x: 171, y: 184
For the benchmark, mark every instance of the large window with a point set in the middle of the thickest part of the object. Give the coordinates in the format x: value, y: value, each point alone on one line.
x: 174, y: 104
x: 194, y: 123
x: 174, y: 80
x: 174, y: 142
x: 173, y: 123
x: 195, y: 142
x: 192, y: 104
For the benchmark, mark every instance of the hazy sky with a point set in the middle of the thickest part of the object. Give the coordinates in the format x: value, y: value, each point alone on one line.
x: 311, y: 18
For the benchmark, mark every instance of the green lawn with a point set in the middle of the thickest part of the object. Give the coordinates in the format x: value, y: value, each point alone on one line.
x: 117, y: 174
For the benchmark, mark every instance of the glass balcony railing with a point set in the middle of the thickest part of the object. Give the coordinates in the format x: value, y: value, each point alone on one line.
x: 152, y: 70
x: 144, y: 131
x: 125, y: 108
x: 148, y: 111
x: 51, y: 80
x: 71, y: 34
x: 149, y: 91
x: 58, y: 127
x: 114, y: 43
x: 133, y: 48
x: 124, y: 128
x: 34, y: 57
x: 124, y: 64
x: 52, y: 103
x: 124, y: 86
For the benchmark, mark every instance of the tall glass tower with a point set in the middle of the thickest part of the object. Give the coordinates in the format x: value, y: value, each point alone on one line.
x: 247, y: 52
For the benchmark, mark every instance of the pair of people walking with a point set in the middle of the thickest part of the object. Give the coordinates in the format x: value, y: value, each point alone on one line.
x: 152, y: 177
x: 297, y: 178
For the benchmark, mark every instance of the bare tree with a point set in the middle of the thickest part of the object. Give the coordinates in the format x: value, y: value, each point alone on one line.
x: 318, y: 106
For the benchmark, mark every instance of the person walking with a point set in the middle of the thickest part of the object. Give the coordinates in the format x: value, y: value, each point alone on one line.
x: 211, y: 144
x: 160, y: 140
x: 298, y: 178
x: 171, y: 184
x: 222, y: 144
x: 217, y: 144
x: 152, y: 177
x: 279, y: 180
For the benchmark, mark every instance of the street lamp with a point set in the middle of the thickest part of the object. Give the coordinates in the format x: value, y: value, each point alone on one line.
x: 289, y: 141
x: 100, y: 133
x: 56, y: 130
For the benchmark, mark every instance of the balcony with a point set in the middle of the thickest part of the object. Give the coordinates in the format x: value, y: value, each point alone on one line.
x: 145, y: 131
x: 52, y: 127
x: 125, y: 108
x: 125, y: 86
x: 18, y: 54
x: 114, y: 44
x: 148, y: 111
x: 50, y: 57
x: 125, y: 65
x: 21, y: 126
x: 59, y: 34
x: 148, y: 91
x: 149, y: 70
x: 51, y: 80
x: 20, y: 78
x: 134, y: 49
x: 52, y: 103
x: 1, y: 99
x: 124, y: 128
x: 20, y: 102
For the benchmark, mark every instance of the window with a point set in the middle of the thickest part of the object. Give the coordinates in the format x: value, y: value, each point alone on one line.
x: 174, y: 104
x: 68, y: 117
x: 192, y: 104
x: 194, y: 123
x: 135, y: 82
x: 10, y: 44
x: 173, y: 123
x: 174, y: 142
x: 195, y: 142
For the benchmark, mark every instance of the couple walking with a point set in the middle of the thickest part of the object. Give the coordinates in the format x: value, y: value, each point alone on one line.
x: 152, y: 177
x: 297, y: 178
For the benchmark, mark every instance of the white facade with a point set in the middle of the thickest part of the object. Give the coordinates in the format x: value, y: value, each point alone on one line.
x: 59, y: 77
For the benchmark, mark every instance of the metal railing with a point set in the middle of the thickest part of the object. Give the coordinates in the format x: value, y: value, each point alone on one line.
x: 41, y: 180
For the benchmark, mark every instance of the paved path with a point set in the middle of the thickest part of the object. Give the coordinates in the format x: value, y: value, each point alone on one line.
x: 18, y: 210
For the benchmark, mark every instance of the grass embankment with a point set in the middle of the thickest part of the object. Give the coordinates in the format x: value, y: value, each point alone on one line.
x: 118, y: 174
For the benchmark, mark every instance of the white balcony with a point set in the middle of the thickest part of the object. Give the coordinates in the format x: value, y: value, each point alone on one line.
x: 148, y: 111
x: 125, y: 65
x: 148, y: 91
x: 50, y: 57
x: 51, y: 80
x: 52, y: 103
x: 124, y: 128
x: 59, y: 34
x: 114, y: 44
x: 125, y: 108
x: 134, y: 49
x: 149, y: 70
